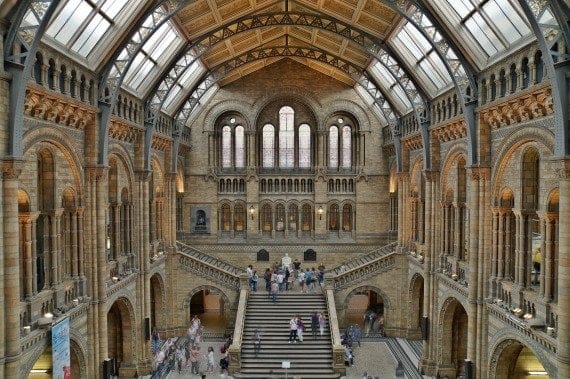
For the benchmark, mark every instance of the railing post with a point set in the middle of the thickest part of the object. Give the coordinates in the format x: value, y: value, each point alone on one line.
x: 235, y: 348
x: 338, y: 350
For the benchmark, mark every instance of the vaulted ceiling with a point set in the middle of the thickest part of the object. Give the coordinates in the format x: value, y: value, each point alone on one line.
x: 202, y: 17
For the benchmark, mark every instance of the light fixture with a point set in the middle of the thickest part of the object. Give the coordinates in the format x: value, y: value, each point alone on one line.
x: 232, y: 120
x: 320, y: 211
x: 38, y: 371
x: 340, y: 120
x: 108, y: 244
x: 48, y: 315
x: 527, y: 316
x: 251, y: 211
x: 537, y: 373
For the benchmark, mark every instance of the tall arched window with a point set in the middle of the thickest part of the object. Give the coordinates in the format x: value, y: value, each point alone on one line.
x: 268, y: 146
x: 286, y: 137
x: 333, y: 147
x: 226, y: 147
x: 306, y: 218
x: 347, y: 217
x: 304, y: 146
x: 346, y: 146
x: 240, y: 146
x: 226, y: 217
x: 280, y: 217
x: 293, y: 215
x: 239, y: 217
x: 266, y: 218
x: 334, y: 217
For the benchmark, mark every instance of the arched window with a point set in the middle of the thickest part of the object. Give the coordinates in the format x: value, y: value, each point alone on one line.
x: 226, y: 147
x: 346, y: 147
x: 268, y: 146
x: 333, y: 147
x: 226, y: 217
x: 239, y: 217
x: 347, y: 217
x: 292, y: 216
x: 240, y: 146
x: 304, y: 146
x: 306, y: 218
x: 286, y: 137
x: 334, y: 217
x: 266, y: 219
x: 280, y: 217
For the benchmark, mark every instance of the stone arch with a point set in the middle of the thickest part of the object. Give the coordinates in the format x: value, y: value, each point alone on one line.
x: 504, y: 352
x: 348, y: 107
x: 450, y: 159
x: 122, y: 332
x: 124, y: 157
x: 225, y: 300
x: 416, y: 293
x: 288, y: 93
x: 49, y: 135
x: 217, y: 110
x: 363, y: 289
x: 78, y: 348
x: 553, y: 200
x: 511, y: 144
x: 158, y: 300
x: 452, y: 345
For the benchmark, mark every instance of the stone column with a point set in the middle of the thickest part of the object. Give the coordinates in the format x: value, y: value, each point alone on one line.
x: 54, y: 252
x: 548, y: 257
x: 10, y: 328
x: 473, y: 195
x: 26, y: 223
x: 494, y: 253
x: 563, y: 352
x: 74, y: 247
x: 517, y: 246
x: 102, y: 191
x: 500, y: 246
x: 34, y: 255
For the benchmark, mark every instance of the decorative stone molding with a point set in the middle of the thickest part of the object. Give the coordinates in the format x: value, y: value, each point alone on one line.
x: 413, y: 142
x: 321, y: 174
x: 211, y: 175
x: 535, y: 103
x: 11, y: 168
x: 160, y: 142
x: 364, y: 272
x: 453, y: 129
x: 361, y: 175
x: 121, y: 130
x: 95, y: 173
x: 50, y: 106
x: 251, y: 174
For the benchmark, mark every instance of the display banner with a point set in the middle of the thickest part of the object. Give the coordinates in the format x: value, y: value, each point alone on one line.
x: 60, y: 350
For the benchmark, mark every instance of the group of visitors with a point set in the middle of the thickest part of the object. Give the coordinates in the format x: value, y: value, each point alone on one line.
x: 183, y: 354
x: 286, y: 276
x: 297, y: 326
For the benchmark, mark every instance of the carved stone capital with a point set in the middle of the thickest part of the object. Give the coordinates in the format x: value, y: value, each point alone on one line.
x: 11, y: 168
x: 479, y: 173
x: 431, y: 175
x: 403, y: 176
x: 143, y: 175
x: 95, y: 173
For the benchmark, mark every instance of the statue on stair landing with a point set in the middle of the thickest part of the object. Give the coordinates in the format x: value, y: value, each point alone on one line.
x: 286, y: 261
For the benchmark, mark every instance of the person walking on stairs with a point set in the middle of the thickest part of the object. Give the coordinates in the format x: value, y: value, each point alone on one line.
x: 300, y: 328
x: 256, y: 342
x: 314, y: 324
x: 293, y: 330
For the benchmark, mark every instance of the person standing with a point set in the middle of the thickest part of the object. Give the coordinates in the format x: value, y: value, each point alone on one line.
x: 274, y: 291
x: 293, y: 330
x: 314, y: 324
x: 300, y: 328
x: 210, y: 362
x: 322, y: 321
x: 256, y: 342
x: 254, y: 279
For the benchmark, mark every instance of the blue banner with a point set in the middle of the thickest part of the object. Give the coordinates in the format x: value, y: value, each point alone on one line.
x: 60, y: 350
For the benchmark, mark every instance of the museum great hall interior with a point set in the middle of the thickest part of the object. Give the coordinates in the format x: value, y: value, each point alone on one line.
x: 418, y: 150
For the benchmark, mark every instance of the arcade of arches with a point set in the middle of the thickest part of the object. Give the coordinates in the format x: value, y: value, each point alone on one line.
x: 418, y: 150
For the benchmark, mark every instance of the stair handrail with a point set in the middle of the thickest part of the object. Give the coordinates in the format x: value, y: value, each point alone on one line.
x: 234, y: 349
x: 386, y: 249
x: 383, y: 262
x: 213, y: 271
x: 336, y: 341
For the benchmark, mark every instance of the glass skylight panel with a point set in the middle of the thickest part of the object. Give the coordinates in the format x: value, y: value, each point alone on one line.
x: 81, y: 24
x: 494, y: 24
x: 156, y: 51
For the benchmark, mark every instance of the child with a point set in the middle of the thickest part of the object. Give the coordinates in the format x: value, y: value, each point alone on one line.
x: 210, y: 362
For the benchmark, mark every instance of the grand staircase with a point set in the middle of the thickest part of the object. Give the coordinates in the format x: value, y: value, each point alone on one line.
x: 310, y: 359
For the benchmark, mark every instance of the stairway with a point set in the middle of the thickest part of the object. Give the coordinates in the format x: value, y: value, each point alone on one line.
x: 311, y: 358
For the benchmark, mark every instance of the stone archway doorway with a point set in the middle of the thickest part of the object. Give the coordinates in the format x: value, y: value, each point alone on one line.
x: 119, y: 338
x: 43, y: 368
x: 515, y: 360
x: 365, y: 308
x: 454, y: 339
x: 209, y: 306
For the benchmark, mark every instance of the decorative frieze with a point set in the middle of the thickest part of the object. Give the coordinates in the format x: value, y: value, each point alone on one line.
x: 528, y: 105
x: 453, y: 129
x: 50, y: 106
x: 121, y: 130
